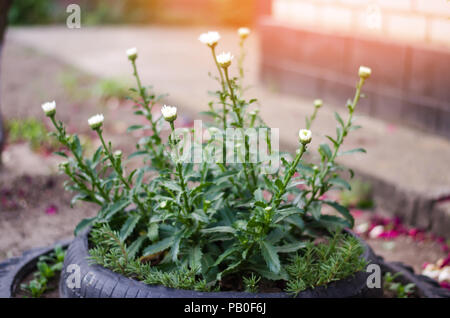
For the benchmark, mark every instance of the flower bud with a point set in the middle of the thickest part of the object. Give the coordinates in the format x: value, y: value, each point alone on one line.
x: 132, y: 54
x: 163, y: 204
x: 364, y: 72
x: 96, y: 121
x: 305, y: 136
x: 49, y: 108
x: 118, y: 153
x: 210, y: 38
x: 268, y: 209
x: 224, y: 59
x: 243, y: 33
x: 169, y: 113
x: 318, y: 103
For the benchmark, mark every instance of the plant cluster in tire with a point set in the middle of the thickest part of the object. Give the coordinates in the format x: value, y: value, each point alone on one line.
x: 215, y: 225
x: 47, y: 268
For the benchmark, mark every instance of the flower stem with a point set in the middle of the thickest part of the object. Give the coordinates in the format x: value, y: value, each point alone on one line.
x: 240, y: 123
x: 63, y: 139
x: 288, y: 176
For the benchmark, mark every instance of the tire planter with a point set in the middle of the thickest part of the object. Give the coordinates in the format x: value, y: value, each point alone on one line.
x: 95, y: 281
x: 14, y: 270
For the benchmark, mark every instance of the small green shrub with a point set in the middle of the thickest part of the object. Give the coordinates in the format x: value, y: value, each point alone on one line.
x: 400, y: 290
x: 29, y: 130
x: 47, y: 267
x: 216, y: 218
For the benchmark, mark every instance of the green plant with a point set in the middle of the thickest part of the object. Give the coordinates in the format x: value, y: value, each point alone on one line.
x: 400, y: 290
x: 251, y: 283
x: 30, y: 130
x: 358, y: 196
x: 211, y: 216
x: 324, y: 263
x: 111, y: 87
x: 30, y: 12
x: 47, y: 267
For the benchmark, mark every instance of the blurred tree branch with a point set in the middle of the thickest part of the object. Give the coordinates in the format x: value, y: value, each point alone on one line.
x: 4, y: 8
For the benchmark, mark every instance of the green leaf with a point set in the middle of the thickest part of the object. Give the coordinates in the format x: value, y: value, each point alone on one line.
x: 279, y: 183
x: 84, y: 224
x: 60, y: 153
x: 270, y: 255
x: 292, y: 247
x: 296, y: 220
x: 159, y: 246
x: 134, y: 127
x: 340, y: 182
x: 219, y: 229
x: 325, y: 150
x: 339, y: 119
x: 195, y: 257
x: 342, y: 210
x: 112, y: 209
x: 128, y: 226
x: 333, y: 222
x: 225, y: 254
x: 352, y: 151
x: 316, y: 209
x: 153, y: 232
x: 175, y: 249
x: 280, y: 215
x: 134, y: 248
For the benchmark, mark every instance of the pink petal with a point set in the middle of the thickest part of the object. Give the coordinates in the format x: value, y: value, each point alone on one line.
x: 52, y: 209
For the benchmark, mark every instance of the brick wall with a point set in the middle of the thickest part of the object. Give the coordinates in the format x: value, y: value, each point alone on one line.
x: 310, y: 48
x: 426, y: 21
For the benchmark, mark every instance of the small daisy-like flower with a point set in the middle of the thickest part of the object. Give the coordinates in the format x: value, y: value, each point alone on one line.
x: 305, y: 136
x: 224, y: 59
x: 169, y: 113
x: 49, y: 108
x: 210, y: 38
x: 268, y: 209
x: 132, y: 53
x: 318, y: 103
x: 243, y: 32
x: 364, y: 72
x: 118, y: 153
x: 96, y: 121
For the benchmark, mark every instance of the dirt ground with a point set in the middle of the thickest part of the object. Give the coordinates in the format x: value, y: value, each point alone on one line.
x: 34, y: 208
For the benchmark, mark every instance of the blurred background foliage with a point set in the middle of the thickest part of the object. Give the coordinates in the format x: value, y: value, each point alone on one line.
x: 97, y: 12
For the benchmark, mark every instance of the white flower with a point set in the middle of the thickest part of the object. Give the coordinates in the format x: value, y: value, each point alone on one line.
x: 210, y: 38
x: 132, y: 53
x: 96, y: 121
x: 224, y: 59
x: 364, y: 72
x: 169, y: 113
x: 376, y: 231
x: 49, y: 108
x: 163, y: 205
x: 118, y: 153
x: 318, y: 103
x: 431, y: 271
x: 444, y: 276
x: 243, y: 32
x: 305, y: 136
x: 268, y: 209
x: 362, y: 228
